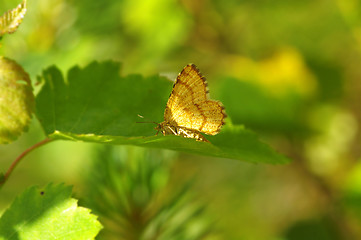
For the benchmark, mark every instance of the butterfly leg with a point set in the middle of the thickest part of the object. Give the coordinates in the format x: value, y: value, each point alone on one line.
x: 171, y: 130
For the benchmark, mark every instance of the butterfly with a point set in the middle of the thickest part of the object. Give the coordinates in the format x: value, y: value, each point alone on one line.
x: 189, y: 110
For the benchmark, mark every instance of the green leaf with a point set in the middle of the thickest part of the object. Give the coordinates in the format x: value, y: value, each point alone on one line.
x: 95, y: 104
x: 48, y: 213
x: 11, y: 20
x: 16, y: 100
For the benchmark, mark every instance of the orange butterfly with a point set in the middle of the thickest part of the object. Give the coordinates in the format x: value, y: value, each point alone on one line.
x: 189, y: 110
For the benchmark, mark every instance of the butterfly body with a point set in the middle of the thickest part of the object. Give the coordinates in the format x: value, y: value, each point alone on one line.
x: 167, y: 128
x: 189, y: 111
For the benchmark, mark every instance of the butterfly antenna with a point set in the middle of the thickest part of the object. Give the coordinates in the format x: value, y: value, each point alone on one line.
x: 146, y: 121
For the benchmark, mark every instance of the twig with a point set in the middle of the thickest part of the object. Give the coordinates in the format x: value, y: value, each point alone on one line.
x: 21, y: 156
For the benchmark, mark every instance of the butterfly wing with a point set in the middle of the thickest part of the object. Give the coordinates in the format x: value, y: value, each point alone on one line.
x: 189, y: 106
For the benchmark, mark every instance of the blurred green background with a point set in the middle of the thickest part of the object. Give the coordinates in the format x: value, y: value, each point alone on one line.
x: 289, y: 70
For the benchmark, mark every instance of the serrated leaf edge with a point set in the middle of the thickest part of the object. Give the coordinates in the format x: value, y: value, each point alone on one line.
x: 10, y: 20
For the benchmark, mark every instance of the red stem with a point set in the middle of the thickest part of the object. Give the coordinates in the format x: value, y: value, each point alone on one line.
x: 21, y: 156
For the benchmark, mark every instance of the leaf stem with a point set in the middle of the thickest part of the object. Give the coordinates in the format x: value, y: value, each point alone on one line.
x: 21, y: 156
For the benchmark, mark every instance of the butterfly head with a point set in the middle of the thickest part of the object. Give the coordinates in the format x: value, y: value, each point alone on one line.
x: 160, y: 127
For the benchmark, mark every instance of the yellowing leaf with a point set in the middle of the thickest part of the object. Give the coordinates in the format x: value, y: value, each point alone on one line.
x: 16, y: 100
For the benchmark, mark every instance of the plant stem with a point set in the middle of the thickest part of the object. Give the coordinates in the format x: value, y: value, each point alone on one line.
x: 21, y: 156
